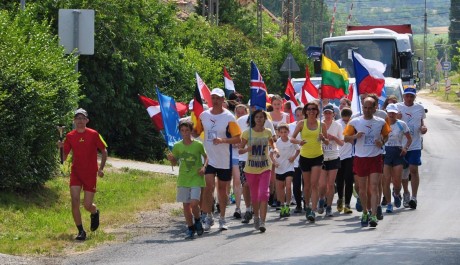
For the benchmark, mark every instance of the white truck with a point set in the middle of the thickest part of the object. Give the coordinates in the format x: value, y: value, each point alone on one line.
x: 390, y: 44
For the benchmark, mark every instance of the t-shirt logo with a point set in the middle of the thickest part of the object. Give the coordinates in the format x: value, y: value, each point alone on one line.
x: 81, y: 140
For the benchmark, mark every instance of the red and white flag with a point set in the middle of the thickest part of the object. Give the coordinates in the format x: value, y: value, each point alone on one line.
x: 228, y: 82
x: 153, y: 108
x: 289, y: 95
x: 309, y: 91
x: 204, y: 90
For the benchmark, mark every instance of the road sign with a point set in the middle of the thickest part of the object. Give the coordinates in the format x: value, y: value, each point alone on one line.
x: 76, y: 30
x: 290, y: 64
x: 446, y: 66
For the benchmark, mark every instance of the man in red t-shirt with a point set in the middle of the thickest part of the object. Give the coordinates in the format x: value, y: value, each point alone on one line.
x: 84, y: 143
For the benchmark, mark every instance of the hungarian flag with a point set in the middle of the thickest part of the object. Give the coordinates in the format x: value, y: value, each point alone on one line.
x: 154, y: 111
x: 369, y: 74
x: 289, y: 95
x: 228, y: 82
x: 153, y: 108
x: 258, y: 93
x: 309, y: 91
x: 204, y: 90
x: 334, y: 80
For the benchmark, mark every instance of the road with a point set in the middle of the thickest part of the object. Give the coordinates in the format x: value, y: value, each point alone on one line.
x: 428, y: 235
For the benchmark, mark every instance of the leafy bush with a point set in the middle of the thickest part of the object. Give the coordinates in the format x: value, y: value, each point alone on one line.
x: 38, y: 91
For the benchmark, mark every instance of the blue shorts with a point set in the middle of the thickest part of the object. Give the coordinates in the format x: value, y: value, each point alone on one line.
x: 414, y: 157
x: 235, y: 161
x: 393, y: 156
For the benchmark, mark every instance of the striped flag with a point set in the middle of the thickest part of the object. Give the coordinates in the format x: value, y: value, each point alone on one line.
x: 309, y: 91
x: 204, y: 90
x: 334, y: 80
x: 228, y: 82
x: 289, y: 95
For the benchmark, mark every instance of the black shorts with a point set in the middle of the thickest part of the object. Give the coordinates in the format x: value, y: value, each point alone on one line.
x: 222, y: 174
x: 306, y: 164
x: 331, y: 164
x: 282, y: 177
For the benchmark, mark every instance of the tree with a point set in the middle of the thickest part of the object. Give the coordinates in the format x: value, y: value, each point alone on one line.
x: 38, y: 91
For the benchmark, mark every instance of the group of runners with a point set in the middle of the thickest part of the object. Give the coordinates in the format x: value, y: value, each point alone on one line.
x: 271, y: 159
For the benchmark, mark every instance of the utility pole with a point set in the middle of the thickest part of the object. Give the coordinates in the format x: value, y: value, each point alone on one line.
x: 424, y: 47
x: 259, y: 19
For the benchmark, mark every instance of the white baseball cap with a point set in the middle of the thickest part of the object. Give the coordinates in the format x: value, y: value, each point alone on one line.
x: 392, y: 108
x: 218, y: 92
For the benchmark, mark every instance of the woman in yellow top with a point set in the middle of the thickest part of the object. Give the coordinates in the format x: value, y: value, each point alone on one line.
x: 258, y: 165
x: 311, y: 154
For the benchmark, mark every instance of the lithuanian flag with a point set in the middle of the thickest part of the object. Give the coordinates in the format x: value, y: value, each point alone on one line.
x: 334, y: 80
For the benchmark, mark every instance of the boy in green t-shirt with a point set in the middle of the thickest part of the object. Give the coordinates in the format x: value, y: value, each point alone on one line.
x: 190, y: 154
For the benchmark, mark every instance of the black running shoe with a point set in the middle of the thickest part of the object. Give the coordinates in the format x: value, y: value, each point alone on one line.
x: 81, y: 236
x: 95, y: 221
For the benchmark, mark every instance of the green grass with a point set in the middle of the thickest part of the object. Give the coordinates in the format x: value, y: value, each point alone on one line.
x: 450, y: 97
x: 40, y: 222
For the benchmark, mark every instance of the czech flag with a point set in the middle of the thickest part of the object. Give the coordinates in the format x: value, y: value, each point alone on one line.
x: 369, y: 74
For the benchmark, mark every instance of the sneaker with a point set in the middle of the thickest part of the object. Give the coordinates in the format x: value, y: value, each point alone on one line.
x: 397, y: 199
x: 190, y: 234
x: 340, y: 205
x: 384, y: 201
x: 287, y: 211
x: 223, y: 224
x: 413, y: 203
x: 199, y: 228
x: 359, y: 206
x: 257, y: 223
x: 373, y: 221
x: 379, y: 213
x: 237, y: 213
x: 321, y: 206
x: 329, y: 211
x: 247, y: 217
x: 365, y: 220
x: 406, y: 199
x: 298, y: 209
x: 347, y: 209
x: 307, y: 211
x: 262, y: 227
x: 389, y: 208
x: 278, y: 205
x: 311, y: 217
x: 95, y: 221
x: 81, y: 236
x: 208, y: 222
x: 282, y: 212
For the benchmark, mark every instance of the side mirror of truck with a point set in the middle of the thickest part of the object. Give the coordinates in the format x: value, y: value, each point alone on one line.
x: 317, y: 66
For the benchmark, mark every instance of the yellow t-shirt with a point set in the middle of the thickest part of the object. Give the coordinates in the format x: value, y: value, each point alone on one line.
x: 312, y: 148
x: 258, y: 159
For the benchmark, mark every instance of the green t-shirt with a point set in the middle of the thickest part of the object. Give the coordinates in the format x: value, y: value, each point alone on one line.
x: 190, y: 162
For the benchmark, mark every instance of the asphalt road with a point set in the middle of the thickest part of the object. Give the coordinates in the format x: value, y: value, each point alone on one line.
x: 428, y: 235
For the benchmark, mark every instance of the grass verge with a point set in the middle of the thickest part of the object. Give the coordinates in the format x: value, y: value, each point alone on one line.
x: 40, y: 222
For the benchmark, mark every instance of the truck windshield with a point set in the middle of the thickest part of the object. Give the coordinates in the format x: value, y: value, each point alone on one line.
x: 382, y: 50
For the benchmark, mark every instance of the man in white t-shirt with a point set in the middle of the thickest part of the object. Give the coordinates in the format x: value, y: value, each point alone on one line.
x: 220, y: 132
x: 413, y: 115
x: 370, y: 133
